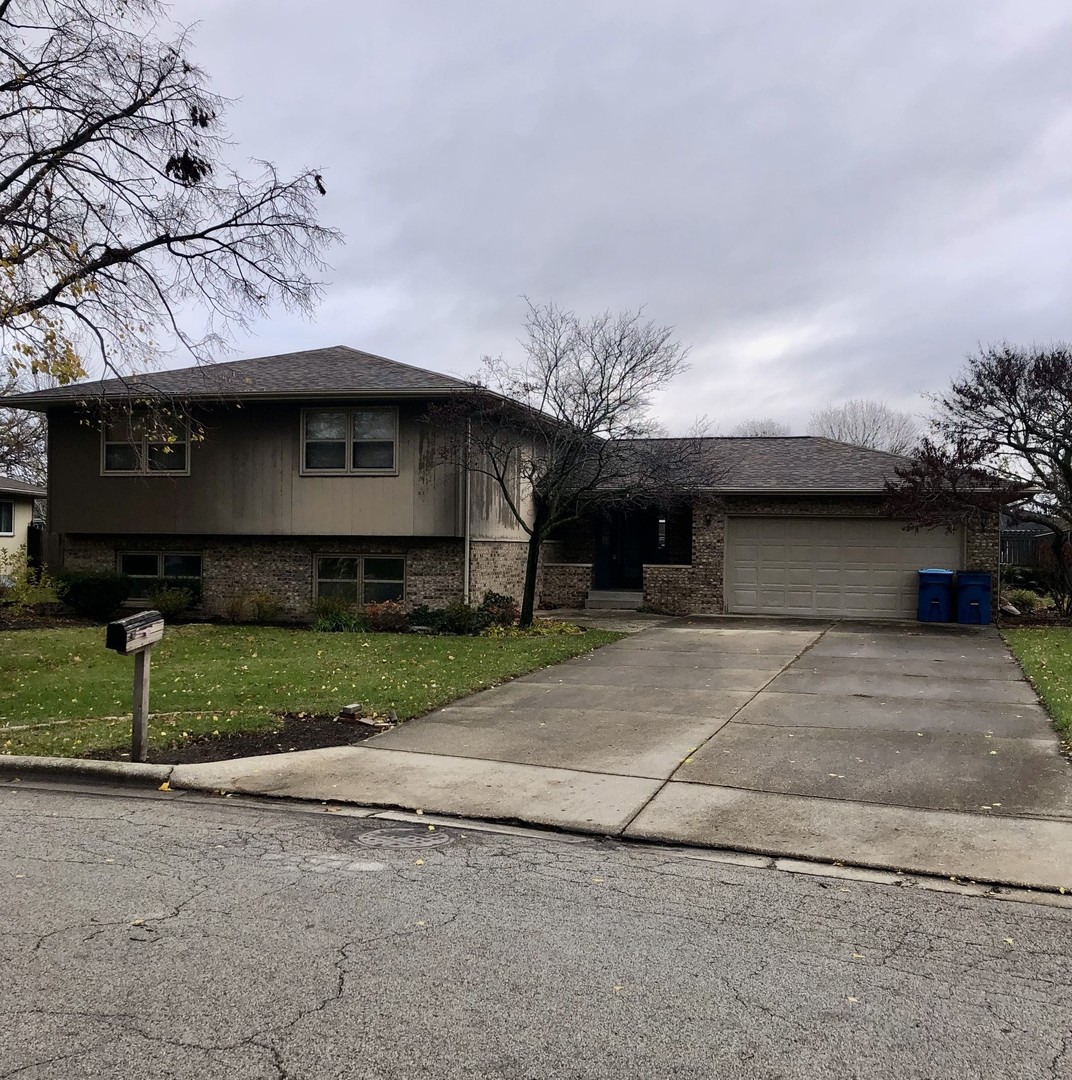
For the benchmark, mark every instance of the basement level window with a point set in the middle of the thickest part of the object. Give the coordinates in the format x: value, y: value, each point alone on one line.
x: 350, y: 441
x: 151, y: 570
x: 361, y: 579
x: 140, y: 445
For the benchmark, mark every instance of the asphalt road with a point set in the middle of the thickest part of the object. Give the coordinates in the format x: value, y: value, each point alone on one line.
x: 155, y: 937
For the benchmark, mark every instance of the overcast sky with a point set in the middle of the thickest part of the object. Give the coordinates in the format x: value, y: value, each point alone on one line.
x: 827, y: 199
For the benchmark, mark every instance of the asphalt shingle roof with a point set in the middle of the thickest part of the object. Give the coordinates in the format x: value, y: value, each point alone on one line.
x: 796, y: 463
x: 10, y: 486
x: 337, y: 369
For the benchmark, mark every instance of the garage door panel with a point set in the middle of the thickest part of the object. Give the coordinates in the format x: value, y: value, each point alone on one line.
x: 830, y: 566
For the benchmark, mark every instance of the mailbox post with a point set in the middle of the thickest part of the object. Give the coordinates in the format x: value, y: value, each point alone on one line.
x: 135, y: 636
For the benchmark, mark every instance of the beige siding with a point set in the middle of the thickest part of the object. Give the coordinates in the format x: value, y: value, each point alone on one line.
x: 245, y: 480
x: 22, y: 517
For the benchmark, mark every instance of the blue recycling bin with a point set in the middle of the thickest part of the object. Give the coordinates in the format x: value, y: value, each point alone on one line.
x: 974, y: 598
x: 935, y: 596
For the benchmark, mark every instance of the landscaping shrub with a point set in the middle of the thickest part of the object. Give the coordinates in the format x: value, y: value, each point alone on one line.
x: 20, y: 583
x: 389, y: 616
x: 335, y: 615
x: 425, y: 616
x: 172, y: 601
x: 461, y: 618
x: 1027, y: 600
x: 501, y: 610
x: 93, y: 594
x: 539, y: 628
x: 264, y: 607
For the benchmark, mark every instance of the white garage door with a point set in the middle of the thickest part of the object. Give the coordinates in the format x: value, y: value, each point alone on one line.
x: 830, y: 566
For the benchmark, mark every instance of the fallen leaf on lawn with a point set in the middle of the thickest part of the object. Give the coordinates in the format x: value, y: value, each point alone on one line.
x: 1009, y: 941
x: 852, y: 1000
x: 418, y: 862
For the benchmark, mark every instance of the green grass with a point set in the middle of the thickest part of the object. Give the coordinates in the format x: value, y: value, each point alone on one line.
x: 1046, y: 656
x: 225, y: 679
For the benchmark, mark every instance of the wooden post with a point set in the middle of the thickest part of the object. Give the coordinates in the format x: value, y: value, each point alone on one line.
x: 135, y: 636
x: 139, y: 747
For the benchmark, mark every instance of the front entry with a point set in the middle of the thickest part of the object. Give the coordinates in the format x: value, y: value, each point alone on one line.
x: 626, y: 539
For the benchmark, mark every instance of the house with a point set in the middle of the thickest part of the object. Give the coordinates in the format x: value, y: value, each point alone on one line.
x: 316, y: 474
x: 17, y: 502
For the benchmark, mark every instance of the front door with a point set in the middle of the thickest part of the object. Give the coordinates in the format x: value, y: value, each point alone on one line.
x: 620, y: 549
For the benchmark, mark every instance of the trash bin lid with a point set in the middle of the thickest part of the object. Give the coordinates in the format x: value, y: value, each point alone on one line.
x: 939, y: 572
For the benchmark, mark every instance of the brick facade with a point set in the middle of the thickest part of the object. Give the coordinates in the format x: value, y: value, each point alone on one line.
x: 564, y: 584
x: 233, y: 569
x: 498, y: 565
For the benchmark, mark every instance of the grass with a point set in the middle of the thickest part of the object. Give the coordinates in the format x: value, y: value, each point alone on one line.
x: 226, y: 679
x: 1046, y: 656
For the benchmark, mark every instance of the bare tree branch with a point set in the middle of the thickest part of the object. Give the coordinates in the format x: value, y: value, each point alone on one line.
x: 760, y: 428
x: 867, y: 423
x: 119, y: 209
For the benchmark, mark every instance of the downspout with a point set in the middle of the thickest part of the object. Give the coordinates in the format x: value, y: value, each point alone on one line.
x: 467, y: 514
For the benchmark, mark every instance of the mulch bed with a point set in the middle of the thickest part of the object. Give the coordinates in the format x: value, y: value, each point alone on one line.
x: 295, y: 733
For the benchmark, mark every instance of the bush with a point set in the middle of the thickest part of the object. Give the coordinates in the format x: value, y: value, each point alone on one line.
x: 93, y: 594
x: 389, y: 616
x: 501, y: 610
x: 20, y: 583
x: 335, y: 615
x: 539, y: 628
x: 172, y: 601
x: 461, y: 618
x: 264, y: 607
x: 1027, y: 600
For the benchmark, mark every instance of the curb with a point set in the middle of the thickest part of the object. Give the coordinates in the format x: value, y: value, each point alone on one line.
x: 25, y: 767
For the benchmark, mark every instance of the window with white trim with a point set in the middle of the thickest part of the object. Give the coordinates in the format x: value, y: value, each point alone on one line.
x: 136, y: 445
x: 348, y: 441
x: 149, y: 569
x: 361, y: 579
x: 7, y: 517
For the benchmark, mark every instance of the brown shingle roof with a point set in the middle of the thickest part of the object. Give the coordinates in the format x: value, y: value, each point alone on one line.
x: 10, y: 486
x: 337, y: 369
x: 798, y: 463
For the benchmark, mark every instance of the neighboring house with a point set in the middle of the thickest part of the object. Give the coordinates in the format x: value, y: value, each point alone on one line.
x: 17, y: 502
x: 1023, y: 542
x: 316, y: 474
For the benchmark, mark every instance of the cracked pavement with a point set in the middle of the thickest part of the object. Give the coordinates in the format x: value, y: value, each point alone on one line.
x: 147, y: 935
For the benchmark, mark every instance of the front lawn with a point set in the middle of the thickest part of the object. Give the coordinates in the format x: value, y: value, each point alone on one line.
x: 1046, y: 656
x: 209, y: 680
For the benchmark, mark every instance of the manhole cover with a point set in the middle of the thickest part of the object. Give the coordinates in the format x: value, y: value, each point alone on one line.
x: 400, y: 836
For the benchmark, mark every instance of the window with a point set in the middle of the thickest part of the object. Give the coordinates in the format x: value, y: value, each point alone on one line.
x: 350, y: 440
x: 7, y: 517
x: 136, y: 445
x: 147, y: 569
x: 361, y: 579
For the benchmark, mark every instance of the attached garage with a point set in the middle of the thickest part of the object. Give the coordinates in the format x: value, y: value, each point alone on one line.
x: 830, y: 566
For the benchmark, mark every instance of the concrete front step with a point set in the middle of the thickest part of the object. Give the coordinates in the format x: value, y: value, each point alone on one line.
x: 614, y: 598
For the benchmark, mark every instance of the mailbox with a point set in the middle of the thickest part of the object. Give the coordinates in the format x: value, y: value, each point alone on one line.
x: 134, y: 633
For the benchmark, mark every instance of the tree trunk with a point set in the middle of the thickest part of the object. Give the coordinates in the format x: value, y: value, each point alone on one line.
x: 532, y: 567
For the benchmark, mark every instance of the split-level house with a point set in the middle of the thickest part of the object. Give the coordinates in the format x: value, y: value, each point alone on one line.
x: 319, y: 473
x: 18, y: 503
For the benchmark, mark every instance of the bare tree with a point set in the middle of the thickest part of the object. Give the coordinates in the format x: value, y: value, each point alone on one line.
x: 1002, y: 435
x: 867, y: 423
x: 119, y: 210
x: 760, y: 428
x: 22, y: 437
x: 564, y: 429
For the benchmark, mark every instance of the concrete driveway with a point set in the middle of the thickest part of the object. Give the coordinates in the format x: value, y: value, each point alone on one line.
x: 887, y: 744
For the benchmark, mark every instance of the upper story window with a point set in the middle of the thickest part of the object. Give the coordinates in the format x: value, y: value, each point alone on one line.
x: 136, y: 445
x: 7, y: 517
x: 363, y: 440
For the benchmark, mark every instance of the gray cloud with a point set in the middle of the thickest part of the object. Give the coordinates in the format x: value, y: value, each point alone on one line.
x: 827, y: 200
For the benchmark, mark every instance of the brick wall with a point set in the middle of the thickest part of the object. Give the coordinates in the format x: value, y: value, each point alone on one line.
x: 498, y: 565
x: 564, y: 584
x: 984, y: 548
x: 282, y: 567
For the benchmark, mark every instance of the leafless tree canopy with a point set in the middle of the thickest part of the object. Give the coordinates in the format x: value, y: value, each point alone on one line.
x: 22, y: 437
x: 118, y: 208
x: 760, y: 428
x: 565, y: 427
x: 867, y: 423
